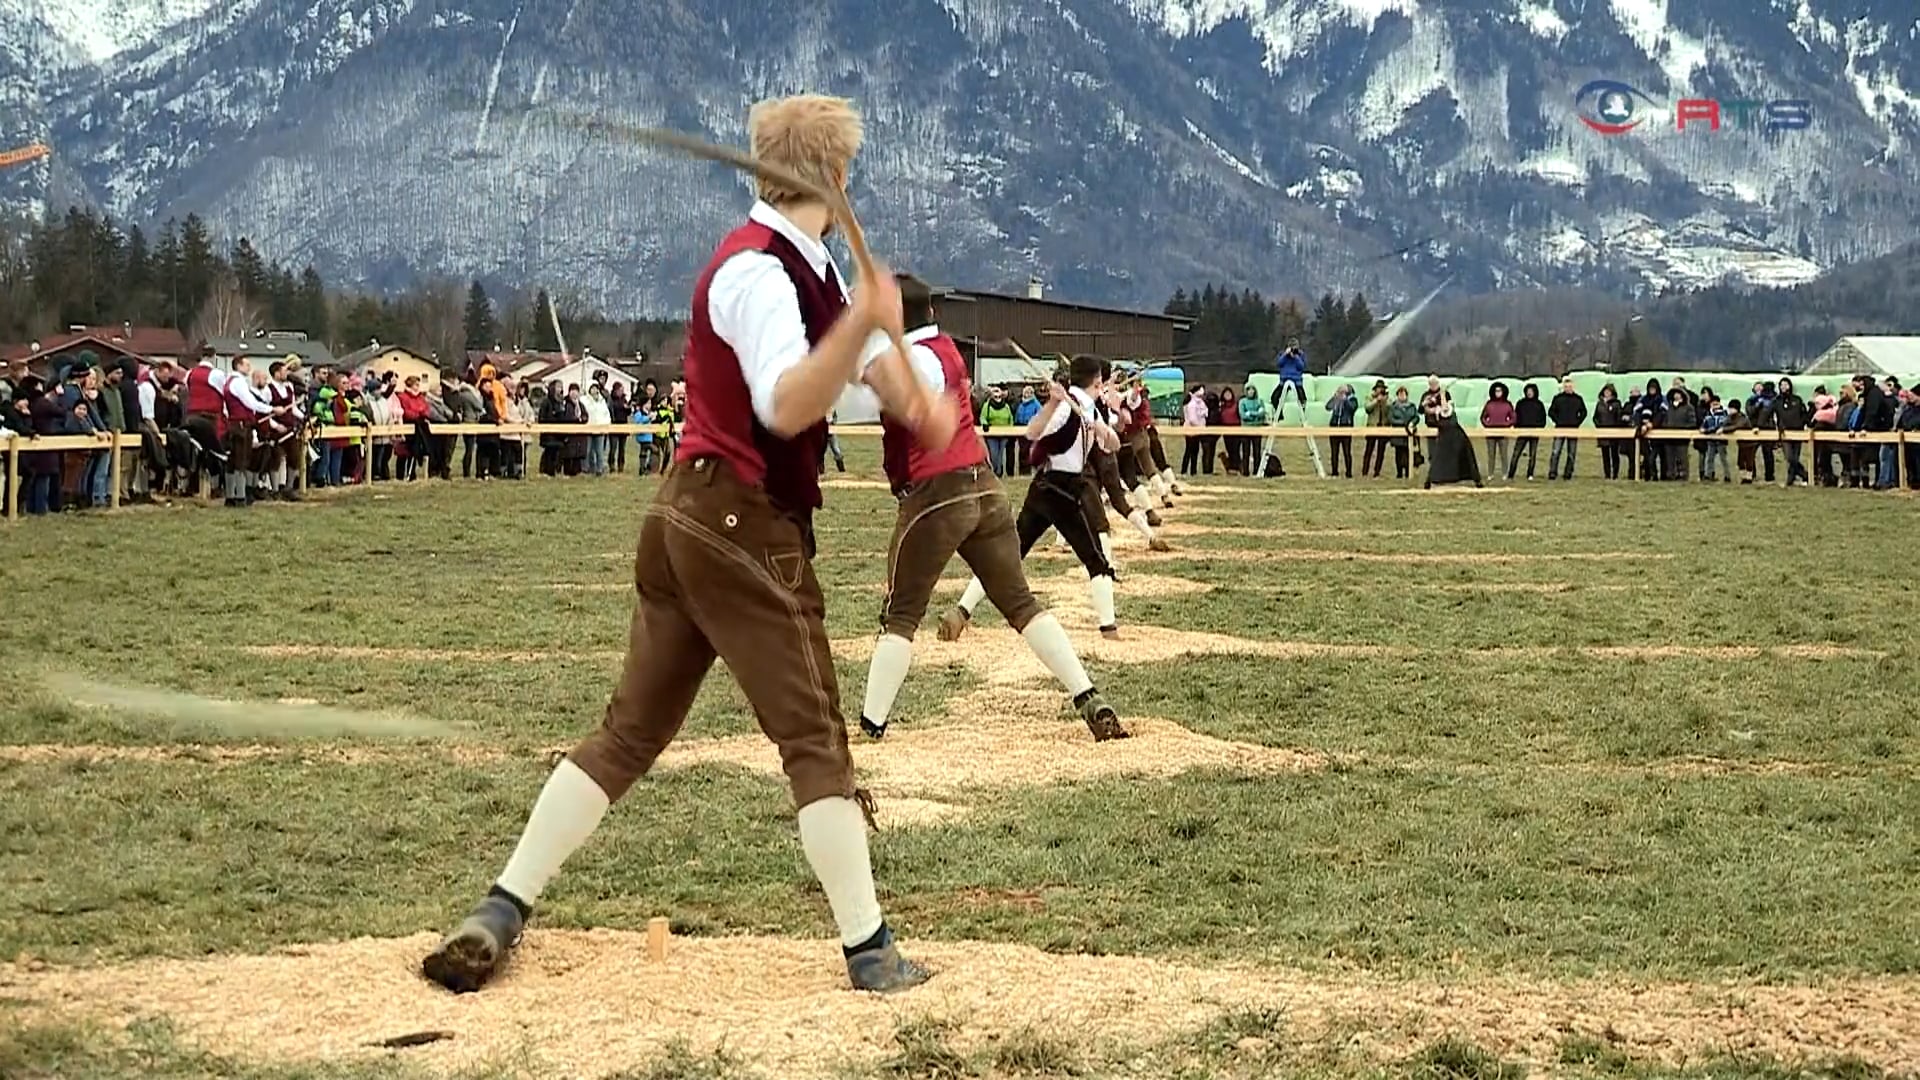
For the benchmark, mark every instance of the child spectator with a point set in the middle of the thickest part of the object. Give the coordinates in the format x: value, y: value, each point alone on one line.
x: 1713, y: 450
x: 1403, y: 415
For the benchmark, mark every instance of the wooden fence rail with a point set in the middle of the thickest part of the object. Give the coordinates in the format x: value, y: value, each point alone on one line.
x: 129, y: 442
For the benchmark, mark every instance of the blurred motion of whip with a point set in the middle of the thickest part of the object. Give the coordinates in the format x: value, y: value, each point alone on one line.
x: 256, y: 719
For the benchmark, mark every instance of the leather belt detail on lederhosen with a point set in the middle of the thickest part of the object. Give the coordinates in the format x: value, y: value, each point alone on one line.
x: 974, y: 472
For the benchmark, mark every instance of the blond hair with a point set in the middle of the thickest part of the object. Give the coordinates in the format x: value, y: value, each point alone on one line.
x: 812, y: 135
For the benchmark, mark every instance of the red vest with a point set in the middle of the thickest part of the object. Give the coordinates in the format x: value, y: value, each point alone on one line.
x: 238, y: 412
x: 719, y: 419
x: 1142, y: 412
x: 202, y: 398
x: 906, y: 461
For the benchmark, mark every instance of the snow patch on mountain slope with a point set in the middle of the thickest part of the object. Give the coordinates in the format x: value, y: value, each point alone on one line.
x: 1809, y: 28
x: 1416, y: 69
x: 1879, y: 90
x: 1220, y: 152
x: 102, y: 29
x: 1288, y: 28
x: 1679, y: 55
x: 1540, y: 17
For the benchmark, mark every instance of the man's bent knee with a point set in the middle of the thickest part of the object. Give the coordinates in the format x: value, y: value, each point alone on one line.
x: 615, y: 760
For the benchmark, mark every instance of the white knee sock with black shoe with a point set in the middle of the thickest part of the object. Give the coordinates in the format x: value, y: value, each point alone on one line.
x: 833, y: 832
x: 886, y: 673
x: 568, y: 811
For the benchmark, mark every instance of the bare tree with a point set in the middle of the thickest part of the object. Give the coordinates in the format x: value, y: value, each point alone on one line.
x: 227, y: 313
x: 436, y: 319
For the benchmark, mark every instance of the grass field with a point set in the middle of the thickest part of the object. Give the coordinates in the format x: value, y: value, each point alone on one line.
x: 1579, y: 779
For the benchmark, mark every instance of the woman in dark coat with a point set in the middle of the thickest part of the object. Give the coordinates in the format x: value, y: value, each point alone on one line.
x: 1453, y: 460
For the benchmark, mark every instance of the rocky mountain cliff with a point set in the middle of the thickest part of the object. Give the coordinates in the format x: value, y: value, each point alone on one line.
x: 1115, y: 148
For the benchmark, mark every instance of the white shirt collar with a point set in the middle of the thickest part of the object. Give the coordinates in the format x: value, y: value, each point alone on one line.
x: 816, y: 252
x: 924, y: 333
x: 1080, y: 395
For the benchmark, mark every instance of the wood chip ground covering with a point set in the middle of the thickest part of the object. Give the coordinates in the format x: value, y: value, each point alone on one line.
x: 1004, y: 752
x: 1135, y: 551
x: 1002, y: 658
x: 588, y: 1003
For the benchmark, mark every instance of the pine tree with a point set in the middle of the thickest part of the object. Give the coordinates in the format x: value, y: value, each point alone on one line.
x: 166, y: 278
x: 1359, y: 321
x: 1177, y: 305
x: 542, y: 330
x: 1626, y: 350
x: 283, y: 299
x: 310, y: 305
x: 363, y: 322
x: 482, y: 332
x: 249, y: 270
x: 1327, y: 331
x: 200, y: 269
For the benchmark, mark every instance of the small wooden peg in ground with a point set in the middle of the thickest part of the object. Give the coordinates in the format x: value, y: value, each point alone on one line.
x: 657, y: 939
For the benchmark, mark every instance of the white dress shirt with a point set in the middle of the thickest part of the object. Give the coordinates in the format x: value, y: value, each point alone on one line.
x: 240, y: 389
x: 216, y: 378
x: 922, y: 359
x: 1074, y: 458
x: 754, y: 308
x: 149, y: 399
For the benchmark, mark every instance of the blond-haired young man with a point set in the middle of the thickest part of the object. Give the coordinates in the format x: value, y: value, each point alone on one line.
x: 725, y: 563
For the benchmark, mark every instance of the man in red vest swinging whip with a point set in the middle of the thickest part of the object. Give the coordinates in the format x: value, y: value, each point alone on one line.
x: 951, y: 503
x: 1062, y: 497
x: 725, y: 563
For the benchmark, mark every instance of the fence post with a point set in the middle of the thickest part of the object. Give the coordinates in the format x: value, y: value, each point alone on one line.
x: 13, y: 477
x: 113, y: 474
x: 1813, y: 456
x: 366, y: 455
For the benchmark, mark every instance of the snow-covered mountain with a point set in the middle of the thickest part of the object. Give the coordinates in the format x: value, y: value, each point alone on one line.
x: 1117, y: 148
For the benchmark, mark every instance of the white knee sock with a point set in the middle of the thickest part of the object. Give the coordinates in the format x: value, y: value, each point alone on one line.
x: 970, y: 599
x: 1140, y: 499
x: 892, y: 655
x: 1106, y: 547
x: 1138, y: 519
x: 1101, y: 589
x: 1050, y: 643
x: 569, y: 809
x: 834, y: 834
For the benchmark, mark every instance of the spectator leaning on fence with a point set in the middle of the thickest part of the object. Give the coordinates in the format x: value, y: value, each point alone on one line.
x: 1791, y: 415
x: 1908, y: 420
x: 1713, y: 449
x: 996, y: 423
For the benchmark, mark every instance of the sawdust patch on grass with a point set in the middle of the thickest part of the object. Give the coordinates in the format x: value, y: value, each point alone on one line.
x: 1136, y: 552
x: 847, y: 484
x: 1070, y: 587
x: 1002, y: 752
x: 415, y: 655
x: 587, y: 1003
x: 1002, y: 657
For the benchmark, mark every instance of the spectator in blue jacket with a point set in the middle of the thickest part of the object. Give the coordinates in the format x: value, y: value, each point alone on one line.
x: 1023, y: 413
x: 1292, y: 366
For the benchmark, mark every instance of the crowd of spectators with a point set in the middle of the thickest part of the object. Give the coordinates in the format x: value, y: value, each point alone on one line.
x: 86, y: 397
x: 1515, y: 427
